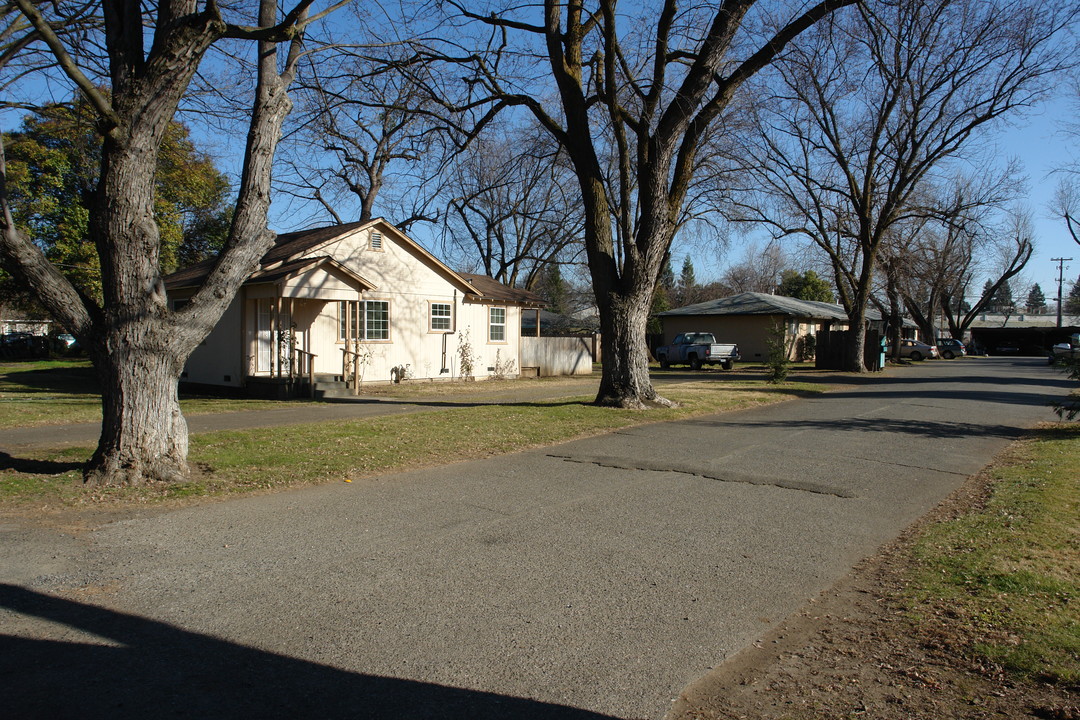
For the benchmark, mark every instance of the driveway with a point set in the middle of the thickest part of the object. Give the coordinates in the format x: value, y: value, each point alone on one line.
x: 592, y: 579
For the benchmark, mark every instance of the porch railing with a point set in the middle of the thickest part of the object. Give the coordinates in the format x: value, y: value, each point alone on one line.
x: 302, y: 364
x: 350, y: 369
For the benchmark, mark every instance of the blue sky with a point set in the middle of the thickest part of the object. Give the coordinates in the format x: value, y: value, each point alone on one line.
x: 1037, y: 140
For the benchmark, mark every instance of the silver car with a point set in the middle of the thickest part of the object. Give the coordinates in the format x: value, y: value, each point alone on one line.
x: 917, y: 350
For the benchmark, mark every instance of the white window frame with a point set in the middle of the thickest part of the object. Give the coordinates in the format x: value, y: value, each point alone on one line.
x: 375, y: 241
x: 494, y: 326
x: 362, y: 320
x: 447, y: 318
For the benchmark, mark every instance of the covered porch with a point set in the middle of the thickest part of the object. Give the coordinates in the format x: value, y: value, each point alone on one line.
x: 289, y: 324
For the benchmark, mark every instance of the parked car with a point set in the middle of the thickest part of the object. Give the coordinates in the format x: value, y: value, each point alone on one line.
x: 951, y: 348
x: 697, y: 349
x: 916, y: 350
x: 1069, y: 349
x: 23, y: 345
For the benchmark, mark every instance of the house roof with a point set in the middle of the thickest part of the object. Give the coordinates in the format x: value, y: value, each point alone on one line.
x: 491, y: 289
x: 752, y: 303
x: 289, y: 254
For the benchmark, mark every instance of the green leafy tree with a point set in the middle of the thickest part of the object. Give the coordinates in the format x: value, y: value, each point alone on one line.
x: 1036, y: 299
x: 686, y: 278
x: 661, y: 302
x: 1003, y: 298
x: 667, y: 276
x: 777, y: 357
x: 1072, y: 301
x: 53, y: 164
x: 553, y: 290
x: 805, y: 286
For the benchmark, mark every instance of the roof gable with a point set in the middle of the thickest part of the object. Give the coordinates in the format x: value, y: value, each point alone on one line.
x: 296, y: 250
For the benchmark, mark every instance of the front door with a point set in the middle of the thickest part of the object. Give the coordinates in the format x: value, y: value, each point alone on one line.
x: 264, y: 335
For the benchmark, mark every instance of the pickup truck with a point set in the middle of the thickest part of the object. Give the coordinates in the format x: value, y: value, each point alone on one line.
x: 697, y: 349
x: 1070, y: 349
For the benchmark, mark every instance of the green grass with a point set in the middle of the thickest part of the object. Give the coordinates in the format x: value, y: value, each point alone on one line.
x: 228, y: 463
x: 1010, y: 573
x: 51, y: 392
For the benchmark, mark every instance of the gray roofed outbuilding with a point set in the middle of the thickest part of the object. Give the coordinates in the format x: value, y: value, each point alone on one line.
x: 754, y: 303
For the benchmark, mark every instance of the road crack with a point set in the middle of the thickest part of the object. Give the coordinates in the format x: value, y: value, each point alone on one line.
x: 707, y: 473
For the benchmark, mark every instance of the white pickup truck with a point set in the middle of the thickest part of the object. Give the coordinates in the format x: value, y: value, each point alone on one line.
x: 1070, y: 349
x: 696, y: 349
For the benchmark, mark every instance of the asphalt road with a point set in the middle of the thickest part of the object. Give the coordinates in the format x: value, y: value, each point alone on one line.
x: 592, y: 579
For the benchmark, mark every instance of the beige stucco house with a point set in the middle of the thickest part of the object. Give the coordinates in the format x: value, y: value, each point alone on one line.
x: 748, y: 319
x: 359, y: 302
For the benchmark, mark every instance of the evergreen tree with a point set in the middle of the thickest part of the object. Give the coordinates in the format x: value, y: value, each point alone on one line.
x: 1003, y: 298
x: 687, y: 281
x: 553, y: 290
x: 987, y: 291
x: 661, y: 301
x: 1036, y: 300
x: 667, y: 276
x: 1072, y: 301
x: 805, y: 286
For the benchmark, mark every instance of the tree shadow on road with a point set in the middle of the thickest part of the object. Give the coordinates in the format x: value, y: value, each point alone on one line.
x: 922, y: 428
x: 151, y: 669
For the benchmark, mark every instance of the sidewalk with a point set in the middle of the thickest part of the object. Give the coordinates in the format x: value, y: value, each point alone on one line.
x: 294, y: 414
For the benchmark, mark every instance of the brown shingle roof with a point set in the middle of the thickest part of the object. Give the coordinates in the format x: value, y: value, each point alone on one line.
x: 491, y: 289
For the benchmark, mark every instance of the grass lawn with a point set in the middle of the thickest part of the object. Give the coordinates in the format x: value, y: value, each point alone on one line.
x: 232, y: 462
x: 55, y: 392
x: 1009, y: 574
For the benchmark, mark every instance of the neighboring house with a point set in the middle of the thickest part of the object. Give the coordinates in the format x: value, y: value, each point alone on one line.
x: 360, y: 300
x: 1019, y: 333
x: 748, y: 319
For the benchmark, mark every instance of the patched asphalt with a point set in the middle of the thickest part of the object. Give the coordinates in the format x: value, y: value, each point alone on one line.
x: 596, y: 578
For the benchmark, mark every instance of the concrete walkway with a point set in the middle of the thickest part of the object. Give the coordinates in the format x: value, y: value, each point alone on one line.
x: 594, y: 579
x: 13, y: 439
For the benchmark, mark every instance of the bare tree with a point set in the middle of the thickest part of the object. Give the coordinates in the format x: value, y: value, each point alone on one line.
x: 1009, y: 250
x: 512, y: 208
x: 630, y: 98
x: 137, y: 343
x: 876, y: 104
x: 364, y: 137
x: 923, y: 256
x: 758, y: 271
x: 1066, y: 205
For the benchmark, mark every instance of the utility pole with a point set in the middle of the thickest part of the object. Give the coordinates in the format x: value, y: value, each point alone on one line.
x: 1061, y: 277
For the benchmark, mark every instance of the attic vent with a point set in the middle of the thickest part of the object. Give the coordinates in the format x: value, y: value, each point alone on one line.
x: 376, y: 241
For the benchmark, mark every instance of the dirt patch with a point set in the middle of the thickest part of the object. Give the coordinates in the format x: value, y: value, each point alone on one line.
x: 858, y: 652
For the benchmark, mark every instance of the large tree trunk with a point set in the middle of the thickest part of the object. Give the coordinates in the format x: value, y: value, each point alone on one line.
x: 144, y: 437
x: 624, y: 379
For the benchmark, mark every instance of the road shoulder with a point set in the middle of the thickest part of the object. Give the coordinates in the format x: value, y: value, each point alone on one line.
x: 855, y: 651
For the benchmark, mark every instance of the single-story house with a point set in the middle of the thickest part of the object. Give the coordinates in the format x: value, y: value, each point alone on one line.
x: 748, y: 319
x: 361, y: 302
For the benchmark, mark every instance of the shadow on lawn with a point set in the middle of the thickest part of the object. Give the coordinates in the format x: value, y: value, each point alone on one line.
x: 67, y: 380
x: 151, y: 669
x: 37, y: 467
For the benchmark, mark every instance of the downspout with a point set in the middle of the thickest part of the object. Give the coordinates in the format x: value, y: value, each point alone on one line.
x: 443, y: 369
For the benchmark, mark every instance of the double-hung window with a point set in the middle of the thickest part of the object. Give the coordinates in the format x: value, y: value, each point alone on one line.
x: 441, y: 318
x: 370, y: 320
x: 497, y: 324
